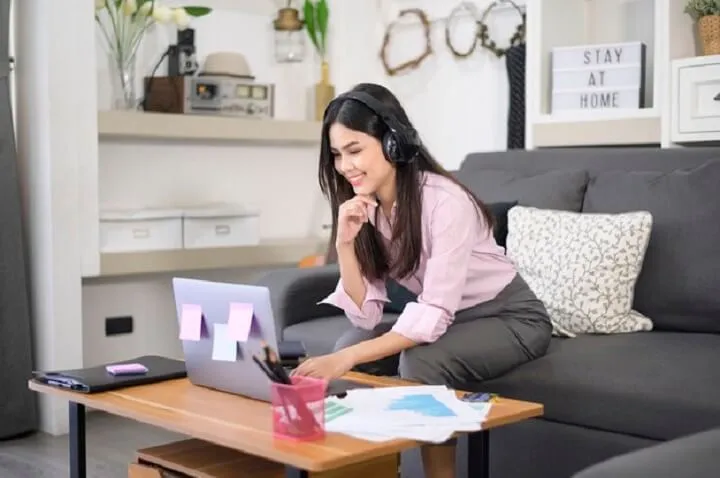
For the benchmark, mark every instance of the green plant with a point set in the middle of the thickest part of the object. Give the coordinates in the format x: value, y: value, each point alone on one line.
x: 702, y: 8
x: 316, y: 19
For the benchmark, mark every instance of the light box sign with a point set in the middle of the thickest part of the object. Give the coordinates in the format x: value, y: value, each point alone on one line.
x: 598, y: 77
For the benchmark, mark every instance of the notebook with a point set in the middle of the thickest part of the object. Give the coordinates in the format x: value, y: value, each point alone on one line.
x: 97, y: 379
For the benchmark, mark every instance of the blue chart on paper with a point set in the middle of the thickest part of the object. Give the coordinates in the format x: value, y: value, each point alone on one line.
x: 423, y: 404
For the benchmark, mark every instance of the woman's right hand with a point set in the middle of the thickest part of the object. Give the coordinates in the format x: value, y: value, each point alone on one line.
x: 352, y: 214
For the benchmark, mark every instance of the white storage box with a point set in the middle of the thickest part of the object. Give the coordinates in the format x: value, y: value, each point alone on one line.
x: 220, y: 226
x: 140, y: 230
x: 697, y: 98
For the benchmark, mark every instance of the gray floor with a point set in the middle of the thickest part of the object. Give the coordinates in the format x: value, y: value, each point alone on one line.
x: 111, y: 442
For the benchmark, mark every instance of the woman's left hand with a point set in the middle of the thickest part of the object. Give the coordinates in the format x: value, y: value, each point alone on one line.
x: 327, y: 367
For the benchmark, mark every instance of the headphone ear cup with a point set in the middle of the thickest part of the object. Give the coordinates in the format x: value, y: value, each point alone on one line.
x: 391, y: 148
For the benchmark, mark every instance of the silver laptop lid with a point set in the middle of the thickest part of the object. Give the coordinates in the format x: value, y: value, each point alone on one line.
x: 242, y: 376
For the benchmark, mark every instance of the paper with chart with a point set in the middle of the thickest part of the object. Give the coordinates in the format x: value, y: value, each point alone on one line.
x: 423, y: 413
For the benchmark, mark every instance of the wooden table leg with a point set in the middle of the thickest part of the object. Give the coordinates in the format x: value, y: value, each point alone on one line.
x: 78, y: 463
x: 478, y: 454
x: 292, y: 472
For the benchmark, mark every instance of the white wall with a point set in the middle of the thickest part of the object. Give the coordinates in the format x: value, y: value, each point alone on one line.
x: 458, y: 106
x: 57, y: 131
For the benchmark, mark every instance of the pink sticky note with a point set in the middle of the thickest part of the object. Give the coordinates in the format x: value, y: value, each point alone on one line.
x: 240, y: 321
x: 191, y: 322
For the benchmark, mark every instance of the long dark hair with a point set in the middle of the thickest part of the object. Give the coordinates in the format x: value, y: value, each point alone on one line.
x: 407, y: 229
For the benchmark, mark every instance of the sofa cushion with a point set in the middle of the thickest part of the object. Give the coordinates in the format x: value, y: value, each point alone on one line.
x: 694, y: 456
x: 582, y: 266
x: 678, y: 286
x: 319, y: 335
x: 561, y: 190
x: 658, y: 385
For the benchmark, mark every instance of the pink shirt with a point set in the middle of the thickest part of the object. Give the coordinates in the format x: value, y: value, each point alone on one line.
x: 461, y: 265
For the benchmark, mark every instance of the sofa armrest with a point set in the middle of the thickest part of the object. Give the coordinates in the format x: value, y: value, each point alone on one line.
x: 295, y: 294
x: 693, y: 456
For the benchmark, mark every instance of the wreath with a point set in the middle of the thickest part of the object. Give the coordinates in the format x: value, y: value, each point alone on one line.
x: 482, y: 31
x: 412, y: 63
x: 481, y: 37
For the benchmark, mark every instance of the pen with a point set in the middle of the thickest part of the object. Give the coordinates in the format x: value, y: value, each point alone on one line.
x: 270, y: 374
x: 274, y: 365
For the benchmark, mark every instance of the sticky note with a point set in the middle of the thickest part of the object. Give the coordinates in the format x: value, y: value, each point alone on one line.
x: 240, y: 321
x: 191, y: 322
x: 224, y: 347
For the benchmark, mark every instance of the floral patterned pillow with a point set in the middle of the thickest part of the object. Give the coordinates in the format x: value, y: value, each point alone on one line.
x: 583, y: 266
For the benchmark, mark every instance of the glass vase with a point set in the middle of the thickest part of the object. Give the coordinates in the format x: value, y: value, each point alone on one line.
x: 123, y: 68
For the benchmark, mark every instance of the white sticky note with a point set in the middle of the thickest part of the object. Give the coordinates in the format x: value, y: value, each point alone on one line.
x: 224, y: 347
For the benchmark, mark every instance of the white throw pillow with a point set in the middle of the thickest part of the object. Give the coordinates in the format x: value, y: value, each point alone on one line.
x: 583, y: 266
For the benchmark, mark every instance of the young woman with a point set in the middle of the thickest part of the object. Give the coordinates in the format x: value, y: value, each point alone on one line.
x: 405, y: 227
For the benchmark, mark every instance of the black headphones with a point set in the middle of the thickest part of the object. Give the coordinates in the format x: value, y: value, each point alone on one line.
x: 401, y: 144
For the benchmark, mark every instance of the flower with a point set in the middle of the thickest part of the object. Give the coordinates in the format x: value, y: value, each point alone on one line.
x: 123, y: 23
x: 129, y: 7
x: 181, y: 18
x: 162, y: 14
x: 145, y: 9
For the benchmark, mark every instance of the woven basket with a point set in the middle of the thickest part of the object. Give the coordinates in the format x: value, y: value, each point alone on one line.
x: 709, y: 30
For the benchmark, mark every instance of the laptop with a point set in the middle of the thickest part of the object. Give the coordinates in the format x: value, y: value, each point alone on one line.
x: 243, y: 376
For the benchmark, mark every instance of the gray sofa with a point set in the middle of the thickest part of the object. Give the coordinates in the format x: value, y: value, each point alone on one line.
x: 604, y: 395
x: 694, y: 456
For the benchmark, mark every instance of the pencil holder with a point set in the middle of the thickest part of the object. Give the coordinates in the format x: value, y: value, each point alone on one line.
x: 299, y: 409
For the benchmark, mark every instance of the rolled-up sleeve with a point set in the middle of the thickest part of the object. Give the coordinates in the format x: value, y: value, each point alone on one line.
x: 453, y: 232
x: 367, y: 316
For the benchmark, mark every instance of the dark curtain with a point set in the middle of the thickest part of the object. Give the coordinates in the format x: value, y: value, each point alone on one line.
x: 18, y: 412
x: 515, y: 64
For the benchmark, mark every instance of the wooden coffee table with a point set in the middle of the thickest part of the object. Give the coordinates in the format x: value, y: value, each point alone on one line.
x: 243, y: 424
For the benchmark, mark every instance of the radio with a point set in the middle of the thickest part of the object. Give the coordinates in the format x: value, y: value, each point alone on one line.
x: 211, y: 95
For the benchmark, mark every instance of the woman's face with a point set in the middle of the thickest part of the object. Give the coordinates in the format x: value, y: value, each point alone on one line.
x: 360, y: 160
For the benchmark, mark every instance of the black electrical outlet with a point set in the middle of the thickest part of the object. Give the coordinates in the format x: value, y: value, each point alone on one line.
x: 118, y: 325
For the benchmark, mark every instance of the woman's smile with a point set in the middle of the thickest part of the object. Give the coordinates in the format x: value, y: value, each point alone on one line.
x: 355, y: 179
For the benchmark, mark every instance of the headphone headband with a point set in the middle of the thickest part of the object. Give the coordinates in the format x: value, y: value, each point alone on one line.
x: 376, y: 106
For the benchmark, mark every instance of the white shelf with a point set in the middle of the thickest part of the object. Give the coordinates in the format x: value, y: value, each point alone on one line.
x: 597, y: 116
x: 602, y: 128
x: 270, y: 253
x: 177, y: 127
x: 601, y: 132
x: 661, y: 24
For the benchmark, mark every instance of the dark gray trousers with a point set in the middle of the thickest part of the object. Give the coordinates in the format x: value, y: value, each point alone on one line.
x: 484, y: 342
